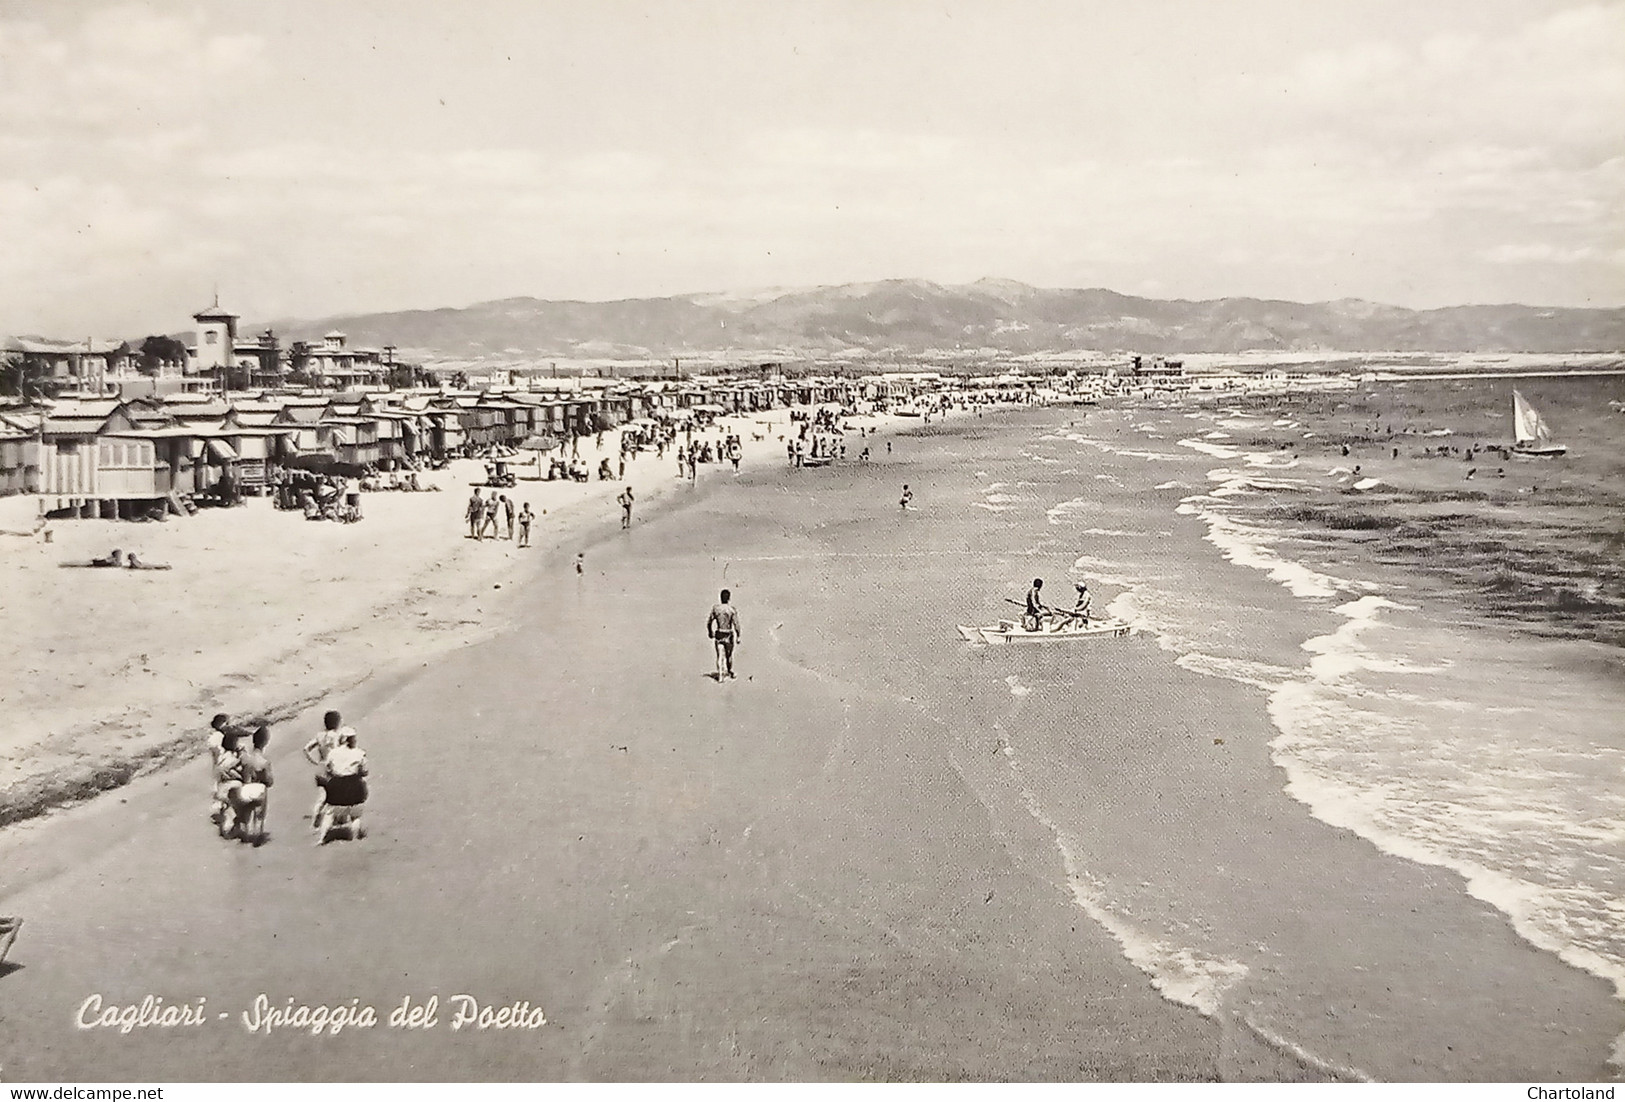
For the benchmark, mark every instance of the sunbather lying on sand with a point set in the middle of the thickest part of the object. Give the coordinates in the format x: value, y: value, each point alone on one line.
x: 134, y: 563
x: 118, y: 558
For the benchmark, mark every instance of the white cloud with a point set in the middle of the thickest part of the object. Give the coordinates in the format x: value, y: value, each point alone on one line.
x: 1552, y: 82
x: 865, y: 150
x: 121, y: 67
x: 165, y: 149
x: 1544, y: 253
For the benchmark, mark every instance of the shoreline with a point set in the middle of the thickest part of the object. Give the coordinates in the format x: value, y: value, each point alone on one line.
x: 1351, y: 655
x: 729, y: 882
x: 686, y: 828
x: 74, y: 753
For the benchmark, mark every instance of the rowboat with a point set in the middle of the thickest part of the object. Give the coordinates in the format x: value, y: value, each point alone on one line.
x: 1011, y: 631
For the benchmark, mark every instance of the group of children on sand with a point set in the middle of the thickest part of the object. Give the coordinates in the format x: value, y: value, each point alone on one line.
x: 243, y: 779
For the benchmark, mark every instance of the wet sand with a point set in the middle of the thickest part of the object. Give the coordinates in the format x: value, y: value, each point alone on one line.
x: 827, y: 869
x: 105, y: 673
x: 749, y: 880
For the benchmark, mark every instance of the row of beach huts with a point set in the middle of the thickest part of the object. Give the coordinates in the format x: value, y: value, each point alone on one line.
x: 121, y: 456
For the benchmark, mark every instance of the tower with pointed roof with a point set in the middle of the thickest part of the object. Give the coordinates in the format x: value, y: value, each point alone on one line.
x: 216, y: 338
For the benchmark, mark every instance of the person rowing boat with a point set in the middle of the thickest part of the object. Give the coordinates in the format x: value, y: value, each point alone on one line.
x: 1040, y: 617
x: 1080, y: 610
x: 1036, y: 610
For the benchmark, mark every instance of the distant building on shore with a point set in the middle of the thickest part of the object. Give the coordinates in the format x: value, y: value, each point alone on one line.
x: 215, y: 349
x: 217, y: 359
x: 1158, y: 367
x: 225, y: 360
x: 90, y: 365
x: 333, y: 363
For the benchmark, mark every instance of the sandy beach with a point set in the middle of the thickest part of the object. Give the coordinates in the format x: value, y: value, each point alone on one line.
x: 711, y: 881
x: 880, y: 853
x: 108, y: 673
x: 1208, y: 669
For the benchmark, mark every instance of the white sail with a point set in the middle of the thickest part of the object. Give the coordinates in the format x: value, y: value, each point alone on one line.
x: 1534, y: 436
x: 1527, y: 425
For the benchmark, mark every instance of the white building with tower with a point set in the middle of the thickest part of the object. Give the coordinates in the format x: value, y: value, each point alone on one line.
x: 216, y: 347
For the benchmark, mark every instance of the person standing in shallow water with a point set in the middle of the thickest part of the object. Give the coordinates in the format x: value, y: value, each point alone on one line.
x: 723, y: 628
x: 908, y: 497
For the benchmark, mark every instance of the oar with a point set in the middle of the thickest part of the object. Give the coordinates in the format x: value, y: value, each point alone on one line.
x: 1051, y: 611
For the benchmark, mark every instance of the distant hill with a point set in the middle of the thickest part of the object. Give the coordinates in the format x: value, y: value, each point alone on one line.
x: 910, y: 316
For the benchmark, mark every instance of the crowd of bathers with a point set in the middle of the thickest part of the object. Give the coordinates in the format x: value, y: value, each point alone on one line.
x: 488, y: 517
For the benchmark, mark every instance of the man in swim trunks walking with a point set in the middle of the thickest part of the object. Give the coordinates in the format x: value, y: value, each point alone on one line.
x: 723, y: 628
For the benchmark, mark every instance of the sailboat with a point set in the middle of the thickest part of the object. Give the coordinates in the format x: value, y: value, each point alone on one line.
x: 1534, y: 437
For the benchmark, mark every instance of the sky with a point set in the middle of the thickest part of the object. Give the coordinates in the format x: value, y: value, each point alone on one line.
x: 312, y: 158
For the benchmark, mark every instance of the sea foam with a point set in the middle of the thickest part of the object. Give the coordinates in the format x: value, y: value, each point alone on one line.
x: 1217, y: 451
x: 1178, y: 973
x: 1248, y: 546
x: 1448, y: 800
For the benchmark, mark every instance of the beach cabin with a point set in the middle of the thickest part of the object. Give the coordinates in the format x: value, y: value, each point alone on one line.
x: 506, y: 421
x: 755, y: 397
x: 352, y: 440
x: 258, y: 450
x: 76, y: 463
x: 417, y: 428
x: 398, y: 437
x: 550, y: 417
x: 536, y: 417
x: 579, y: 415
x: 19, y: 451
x: 124, y: 471
x: 303, y: 416
x: 615, y: 407
x: 200, y: 410
x: 252, y: 414
x: 385, y: 437
x: 67, y: 448
x: 129, y: 468
x: 445, y: 431
x: 478, y: 426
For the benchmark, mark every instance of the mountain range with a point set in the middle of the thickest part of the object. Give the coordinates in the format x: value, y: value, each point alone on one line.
x: 990, y: 316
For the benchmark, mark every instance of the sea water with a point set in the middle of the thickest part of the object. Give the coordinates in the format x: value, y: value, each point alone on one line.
x: 1405, y: 701
x: 1467, y: 708
x: 1430, y: 718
